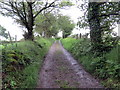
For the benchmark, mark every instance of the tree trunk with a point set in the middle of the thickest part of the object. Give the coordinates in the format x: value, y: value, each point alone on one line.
x: 30, y: 22
x: 94, y: 22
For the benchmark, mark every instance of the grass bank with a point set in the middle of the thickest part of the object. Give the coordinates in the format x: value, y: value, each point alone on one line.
x: 21, y: 62
x: 106, y: 67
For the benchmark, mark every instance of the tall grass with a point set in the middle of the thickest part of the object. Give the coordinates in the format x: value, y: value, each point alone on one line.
x: 106, y: 67
x: 68, y: 42
x: 28, y: 76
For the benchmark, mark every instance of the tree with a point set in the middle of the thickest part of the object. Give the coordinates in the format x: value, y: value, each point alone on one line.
x: 94, y: 23
x: 47, y: 23
x: 66, y: 25
x: 3, y: 32
x: 26, y: 12
x: 51, y: 24
x: 101, y: 18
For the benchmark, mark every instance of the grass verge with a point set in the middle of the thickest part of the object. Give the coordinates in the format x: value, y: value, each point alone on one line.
x: 21, y: 62
x: 105, y: 67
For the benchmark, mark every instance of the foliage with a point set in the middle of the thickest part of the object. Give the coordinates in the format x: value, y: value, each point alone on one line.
x: 98, y: 54
x: 13, y: 61
x: 105, y: 67
x: 65, y: 3
x: 21, y: 63
x: 101, y: 18
x: 3, y: 32
x: 26, y: 12
x: 68, y: 42
x: 51, y: 24
x: 47, y: 23
x: 65, y: 25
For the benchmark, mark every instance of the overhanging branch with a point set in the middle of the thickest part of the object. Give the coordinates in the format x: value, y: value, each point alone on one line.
x: 50, y: 5
x: 107, y: 15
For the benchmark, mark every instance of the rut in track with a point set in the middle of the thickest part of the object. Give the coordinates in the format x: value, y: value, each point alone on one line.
x: 60, y: 70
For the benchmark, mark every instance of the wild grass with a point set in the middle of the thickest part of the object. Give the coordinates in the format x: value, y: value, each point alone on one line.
x: 27, y: 77
x: 105, y: 67
x: 68, y: 42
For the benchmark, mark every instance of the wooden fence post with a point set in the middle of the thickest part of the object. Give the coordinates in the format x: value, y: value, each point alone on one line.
x: 10, y: 37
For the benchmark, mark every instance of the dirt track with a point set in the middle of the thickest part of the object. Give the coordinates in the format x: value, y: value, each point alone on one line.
x: 60, y: 70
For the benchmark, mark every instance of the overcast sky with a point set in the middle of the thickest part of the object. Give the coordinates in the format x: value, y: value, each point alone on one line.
x: 11, y: 26
x: 14, y: 29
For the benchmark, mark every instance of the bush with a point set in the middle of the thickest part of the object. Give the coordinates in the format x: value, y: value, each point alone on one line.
x: 68, y: 42
x: 105, y: 67
x: 21, y: 62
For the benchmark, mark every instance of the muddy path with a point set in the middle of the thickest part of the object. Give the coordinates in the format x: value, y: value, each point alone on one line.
x: 60, y: 70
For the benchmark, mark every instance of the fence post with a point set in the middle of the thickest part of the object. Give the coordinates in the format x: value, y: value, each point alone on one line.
x: 16, y: 40
x: 10, y: 37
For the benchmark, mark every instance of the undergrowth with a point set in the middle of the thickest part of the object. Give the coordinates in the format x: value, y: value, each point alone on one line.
x: 105, y: 67
x: 68, y: 42
x: 21, y: 62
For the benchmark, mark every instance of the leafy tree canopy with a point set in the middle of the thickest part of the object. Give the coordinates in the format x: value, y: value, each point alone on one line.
x: 25, y: 12
x: 47, y: 23
x: 101, y: 18
x: 66, y: 25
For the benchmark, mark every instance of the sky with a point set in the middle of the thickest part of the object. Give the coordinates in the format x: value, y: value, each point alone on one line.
x: 9, y: 24
x: 14, y: 29
x: 74, y: 13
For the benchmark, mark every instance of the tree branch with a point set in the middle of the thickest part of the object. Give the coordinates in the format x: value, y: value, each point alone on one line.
x: 50, y: 5
x: 100, y: 3
x: 24, y: 11
x: 107, y: 15
x: 21, y: 16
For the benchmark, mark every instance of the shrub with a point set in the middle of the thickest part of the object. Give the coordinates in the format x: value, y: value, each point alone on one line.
x: 21, y: 62
x: 105, y: 67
